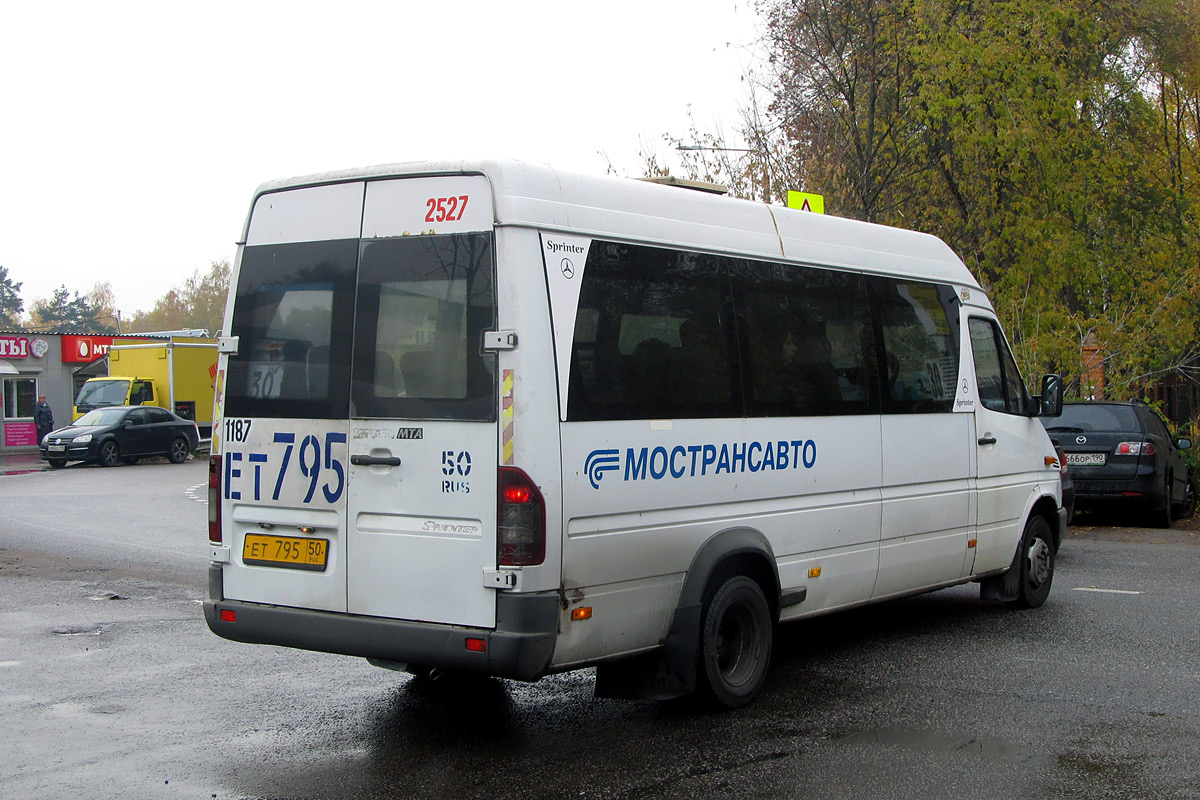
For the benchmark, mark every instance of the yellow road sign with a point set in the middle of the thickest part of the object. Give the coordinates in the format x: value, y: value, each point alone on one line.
x: 807, y: 202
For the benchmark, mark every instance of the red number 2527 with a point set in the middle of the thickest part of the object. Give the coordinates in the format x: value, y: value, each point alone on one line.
x: 446, y: 209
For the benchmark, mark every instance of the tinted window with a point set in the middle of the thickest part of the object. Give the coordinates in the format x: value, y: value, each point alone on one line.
x: 1155, y: 425
x: 158, y: 415
x: 651, y: 338
x: 101, y: 416
x: 919, y: 328
x: 1097, y: 417
x: 999, y: 382
x: 809, y: 347
x: 292, y: 314
x: 423, y: 305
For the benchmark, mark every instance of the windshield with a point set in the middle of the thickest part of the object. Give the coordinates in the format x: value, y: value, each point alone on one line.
x: 101, y: 416
x: 1096, y: 417
x: 103, y: 393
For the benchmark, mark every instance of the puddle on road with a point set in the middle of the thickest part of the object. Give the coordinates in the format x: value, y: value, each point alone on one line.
x: 78, y: 630
x: 930, y: 741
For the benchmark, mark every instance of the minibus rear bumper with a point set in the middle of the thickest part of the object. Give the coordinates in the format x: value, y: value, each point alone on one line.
x: 520, y: 646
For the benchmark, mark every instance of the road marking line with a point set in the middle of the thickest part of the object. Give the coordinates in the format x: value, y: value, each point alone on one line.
x: 1102, y: 591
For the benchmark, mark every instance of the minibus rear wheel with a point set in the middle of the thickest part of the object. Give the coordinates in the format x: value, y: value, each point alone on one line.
x: 735, y: 642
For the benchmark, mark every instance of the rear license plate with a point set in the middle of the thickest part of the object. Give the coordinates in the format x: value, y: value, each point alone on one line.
x: 1086, y: 459
x: 56, y: 448
x: 293, y: 552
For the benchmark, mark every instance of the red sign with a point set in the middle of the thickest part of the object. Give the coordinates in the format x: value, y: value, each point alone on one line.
x: 20, y: 434
x: 88, y: 348
x: 14, y: 347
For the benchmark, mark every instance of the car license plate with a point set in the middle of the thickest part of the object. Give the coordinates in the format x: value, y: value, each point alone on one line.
x: 293, y: 552
x: 56, y: 448
x: 1086, y: 459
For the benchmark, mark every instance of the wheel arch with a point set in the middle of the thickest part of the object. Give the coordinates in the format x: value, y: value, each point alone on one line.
x: 671, y: 671
x: 1046, y: 506
x: 1005, y: 587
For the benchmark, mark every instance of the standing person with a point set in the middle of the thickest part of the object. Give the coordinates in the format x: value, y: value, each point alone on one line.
x: 43, y: 417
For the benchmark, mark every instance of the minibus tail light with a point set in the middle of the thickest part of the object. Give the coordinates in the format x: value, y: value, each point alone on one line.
x: 214, y: 499
x: 521, y: 521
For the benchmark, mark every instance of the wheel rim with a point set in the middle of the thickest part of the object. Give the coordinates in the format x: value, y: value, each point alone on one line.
x: 109, y: 453
x: 737, y: 645
x: 179, y: 449
x: 1040, y: 562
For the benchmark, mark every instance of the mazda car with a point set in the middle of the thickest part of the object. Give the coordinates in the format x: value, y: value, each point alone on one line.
x: 1122, y: 455
x: 121, y: 434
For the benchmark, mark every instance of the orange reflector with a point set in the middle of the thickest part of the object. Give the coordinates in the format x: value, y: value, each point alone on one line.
x: 814, y: 572
x: 228, y: 615
x: 305, y: 529
x: 1051, y: 461
x: 972, y: 542
x: 477, y: 645
x: 583, y: 612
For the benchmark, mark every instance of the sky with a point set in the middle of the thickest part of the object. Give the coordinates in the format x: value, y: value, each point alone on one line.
x: 134, y: 134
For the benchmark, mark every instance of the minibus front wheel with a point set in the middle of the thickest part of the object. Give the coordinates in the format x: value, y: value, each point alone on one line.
x: 1036, y: 564
x: 735, y: 642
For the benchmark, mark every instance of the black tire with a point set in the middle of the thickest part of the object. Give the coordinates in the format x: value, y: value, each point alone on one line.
x: 1187, y: 508
x: 1162, y: 517
x: 1036, y: 563
x: 179, y: 450
x: 735, y: 642
x: 109, y: 455
x: 57, y: 463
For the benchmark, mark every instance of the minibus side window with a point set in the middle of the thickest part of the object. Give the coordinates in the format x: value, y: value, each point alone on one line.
x: 292, y: 315
x: 651, y: 340
x: 809, y: 345
x: 999, y: 382
x: 919, y: 333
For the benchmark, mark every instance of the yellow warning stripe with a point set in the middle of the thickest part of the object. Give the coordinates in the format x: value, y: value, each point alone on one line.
x: 506, y: 417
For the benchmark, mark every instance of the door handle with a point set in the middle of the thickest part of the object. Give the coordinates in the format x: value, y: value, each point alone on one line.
x: 375, y: 461
x: 988, y: 440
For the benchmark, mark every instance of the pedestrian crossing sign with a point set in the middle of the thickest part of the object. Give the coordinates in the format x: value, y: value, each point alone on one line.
x: 806, y: 202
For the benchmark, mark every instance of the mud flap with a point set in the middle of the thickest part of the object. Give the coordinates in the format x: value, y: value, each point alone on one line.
x: 663, y: 674
x: 1003, y: 588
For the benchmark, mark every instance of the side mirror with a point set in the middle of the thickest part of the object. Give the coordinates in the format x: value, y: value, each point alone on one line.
x: 1052, y: 396
x: 1183, y: 444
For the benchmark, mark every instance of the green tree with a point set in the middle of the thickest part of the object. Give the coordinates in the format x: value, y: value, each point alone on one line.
x: 67, y: 314
x: 11, y: 304
x: 1052, y: 144
x: 199, y: 303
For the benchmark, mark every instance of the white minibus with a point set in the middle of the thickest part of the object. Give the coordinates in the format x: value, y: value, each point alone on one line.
x: 496, y: 418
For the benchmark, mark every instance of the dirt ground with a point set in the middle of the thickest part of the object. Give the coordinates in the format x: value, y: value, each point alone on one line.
x: 1107, y: 526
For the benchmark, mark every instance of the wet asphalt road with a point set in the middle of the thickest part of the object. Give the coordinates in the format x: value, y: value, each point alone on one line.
x: 112, y: 686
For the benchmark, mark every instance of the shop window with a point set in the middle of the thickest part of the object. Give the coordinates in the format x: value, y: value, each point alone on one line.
x: 20, y: 397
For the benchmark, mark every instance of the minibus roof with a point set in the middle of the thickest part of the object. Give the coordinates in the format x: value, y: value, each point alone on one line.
x: 537, y: 195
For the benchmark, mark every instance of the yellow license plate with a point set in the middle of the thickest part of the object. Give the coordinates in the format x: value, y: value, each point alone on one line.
x: 294, y: 552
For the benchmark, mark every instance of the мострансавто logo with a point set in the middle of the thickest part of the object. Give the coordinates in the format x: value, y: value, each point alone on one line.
x: 693, y: 460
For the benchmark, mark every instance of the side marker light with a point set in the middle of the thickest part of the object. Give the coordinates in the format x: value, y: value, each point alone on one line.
x: 814, y: 572
x: 581, y: 613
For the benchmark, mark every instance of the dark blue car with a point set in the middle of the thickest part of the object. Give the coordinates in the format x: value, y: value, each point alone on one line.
x: 114, y: 434
x: 1121, y: 454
